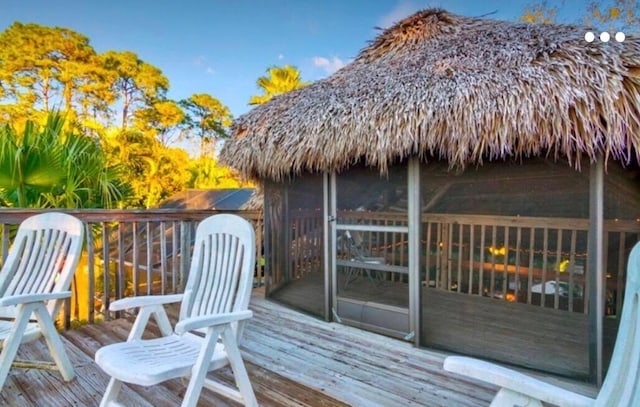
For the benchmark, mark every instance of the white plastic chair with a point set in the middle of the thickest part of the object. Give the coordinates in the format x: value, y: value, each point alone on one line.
x: 621, y: 387
x: 34, y: 281
x: 354, y: 246
x: 215, y: 303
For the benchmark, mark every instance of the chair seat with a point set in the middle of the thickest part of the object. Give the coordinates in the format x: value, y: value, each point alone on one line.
x: 151, y: 361
x: 31, y: 332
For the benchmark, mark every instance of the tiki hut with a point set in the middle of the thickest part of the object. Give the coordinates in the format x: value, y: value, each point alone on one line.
x: 465, y: 184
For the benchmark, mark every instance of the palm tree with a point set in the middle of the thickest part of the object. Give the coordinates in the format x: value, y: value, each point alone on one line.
x: 48, y: 167
x: 278, y: 80
x: 31, y: 163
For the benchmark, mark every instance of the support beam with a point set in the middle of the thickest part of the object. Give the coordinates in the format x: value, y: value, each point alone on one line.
x: 332, y: 270
x: 328, y: 233
x: 413, y: 208
x: 595, y: 258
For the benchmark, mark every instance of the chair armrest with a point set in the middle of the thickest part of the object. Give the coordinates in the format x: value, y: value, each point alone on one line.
x: 143, y: 301
x: 27, y: 298
x: 373, y: 260
x: 189, y: 324
x: 515, y: 381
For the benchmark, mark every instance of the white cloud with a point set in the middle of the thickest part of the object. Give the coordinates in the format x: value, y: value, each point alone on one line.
x: 329, y: 65
x: 280, y: 56
x: 403, y: 9
x: 199, y: 61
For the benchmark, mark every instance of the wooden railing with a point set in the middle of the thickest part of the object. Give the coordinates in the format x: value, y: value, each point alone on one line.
x: 531, y: 260
x: 129, y: 252
x: 536, y: 261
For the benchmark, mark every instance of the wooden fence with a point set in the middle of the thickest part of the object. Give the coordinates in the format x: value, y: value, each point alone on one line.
x: 129, y: 252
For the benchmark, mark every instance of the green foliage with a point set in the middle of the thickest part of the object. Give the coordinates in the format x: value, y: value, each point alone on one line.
x: 153, y: 170
x: 207, y: 174
x: 613, y: 15
x: 30, y: 164
x: 161, y: 118
x: 46, y: 166
x: 207, y: 118
x: 45, y: 68
x: 620, y: 15
x: 539, y: 13
x: 136, y: 82
x: 278, y: 80
x: 112, y: 148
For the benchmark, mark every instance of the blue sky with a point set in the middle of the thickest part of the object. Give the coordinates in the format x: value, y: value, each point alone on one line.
x: 221, y: 47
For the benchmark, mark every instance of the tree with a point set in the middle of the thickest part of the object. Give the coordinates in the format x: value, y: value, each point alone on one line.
x: 50, y: 69
x: 208, y: 118
x: 153, y: 170
x: 46, y: 166
x: 160, y: 119
x: 42, y: 68
x: 614, y: 15
x: 540, y: 13
x: 206, y: 173
x: 278, y: 80
x: 30, y: 164
x: 136, y: 82
x: 620, y: 16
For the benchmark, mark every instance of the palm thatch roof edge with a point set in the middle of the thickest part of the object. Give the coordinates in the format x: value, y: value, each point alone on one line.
x: 461, y: 89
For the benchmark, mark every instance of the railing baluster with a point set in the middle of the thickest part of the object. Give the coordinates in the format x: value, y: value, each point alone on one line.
x: 185, y: 243
x: 149, y: 244
x: 492, y: 281
x: 572, y: 267
x: 136, y: 259
x: 621, y: 274
x: 174, y: 256
x: 91, y: 275
x: 481, y: 271
x: 556, y: 294
x: 6, y: 238
x: 460, y: 243
x: 545, y: 248
x: 106, y: 295
x: 163, y: 257
x: 532, y: 239
x: 505, y: 264
x: 427, y: 250
x: 472, y: 229
x: 516, y: 277
x: 120, y: 279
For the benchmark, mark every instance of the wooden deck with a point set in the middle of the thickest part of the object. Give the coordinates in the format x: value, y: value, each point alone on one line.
x: 293, y: 360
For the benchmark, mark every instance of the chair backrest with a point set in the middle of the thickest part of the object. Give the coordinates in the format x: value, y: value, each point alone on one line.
x: 354, y: 244
x: 222, y: 267
x: 42, y: 258
x: 622, y: 384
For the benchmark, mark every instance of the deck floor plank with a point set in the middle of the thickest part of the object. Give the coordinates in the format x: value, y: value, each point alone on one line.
x: 353, y: 364
x: 293, y: 359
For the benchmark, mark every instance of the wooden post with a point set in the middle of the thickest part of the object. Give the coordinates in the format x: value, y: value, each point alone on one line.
x: 329, y: 243
x: 595, y: 255
x: 413, y: 220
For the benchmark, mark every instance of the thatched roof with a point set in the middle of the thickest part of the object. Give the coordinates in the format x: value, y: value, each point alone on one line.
x: 455, y: 88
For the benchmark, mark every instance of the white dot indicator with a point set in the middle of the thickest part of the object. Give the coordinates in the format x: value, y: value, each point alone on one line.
x: 589, y: 36
x: 620, y: 36
x: 604, y: 36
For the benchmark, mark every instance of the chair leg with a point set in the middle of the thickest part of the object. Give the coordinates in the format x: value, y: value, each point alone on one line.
x: 510, y: 398
x: 200, y: 368
x: 54, y: 343
x: 12, y: 342
x: 111, y: 394
x: 239, y: 370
